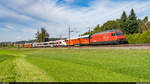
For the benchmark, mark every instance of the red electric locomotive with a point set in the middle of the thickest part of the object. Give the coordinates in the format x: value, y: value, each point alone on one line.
x: 115, y: 36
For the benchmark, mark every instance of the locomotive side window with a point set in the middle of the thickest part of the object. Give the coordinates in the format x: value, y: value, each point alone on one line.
x: 119, y: 34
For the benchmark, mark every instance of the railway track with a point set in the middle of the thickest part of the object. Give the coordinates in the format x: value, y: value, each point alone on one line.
x: 106, y: 46
x: 119, y: 45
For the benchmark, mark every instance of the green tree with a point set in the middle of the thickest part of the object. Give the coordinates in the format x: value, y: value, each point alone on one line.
x: 86, y: 33
x: 109, y: 25
x: 143, y: 25
x: 118, y: 21
x: 123, y: 25
x: 97, y: 29
x: 42, y: 36
x: 139, y: 24
x: 148, y: 24
x: 38, y: 36
x: 132, y: 23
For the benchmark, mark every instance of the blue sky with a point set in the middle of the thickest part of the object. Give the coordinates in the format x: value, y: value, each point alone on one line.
x: 20, y: 19
x: 75, y: 3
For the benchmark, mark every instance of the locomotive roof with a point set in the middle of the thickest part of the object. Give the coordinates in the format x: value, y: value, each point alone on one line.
x: 85, y: 36
x: 108, y: 31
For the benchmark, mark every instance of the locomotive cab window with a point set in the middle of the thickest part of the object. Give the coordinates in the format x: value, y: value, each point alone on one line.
x: 113, y: 34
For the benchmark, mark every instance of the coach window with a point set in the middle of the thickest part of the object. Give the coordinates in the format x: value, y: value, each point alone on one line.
x: 45, y: 43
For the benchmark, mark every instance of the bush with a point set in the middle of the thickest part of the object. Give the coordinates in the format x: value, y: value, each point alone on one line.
x: 139, y: 38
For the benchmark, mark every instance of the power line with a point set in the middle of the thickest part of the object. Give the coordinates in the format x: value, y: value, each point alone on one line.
x: 116, y: 12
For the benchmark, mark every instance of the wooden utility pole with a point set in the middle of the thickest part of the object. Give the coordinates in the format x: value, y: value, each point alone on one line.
x: 89, y: 35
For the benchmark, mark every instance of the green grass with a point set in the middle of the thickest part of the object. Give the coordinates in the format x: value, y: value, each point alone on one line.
x: 74, y: 65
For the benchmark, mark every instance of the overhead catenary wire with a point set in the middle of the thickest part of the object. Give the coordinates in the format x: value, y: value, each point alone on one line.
x: 128, y: 6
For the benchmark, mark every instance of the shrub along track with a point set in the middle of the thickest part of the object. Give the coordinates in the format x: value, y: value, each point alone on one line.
x: 17, y: 69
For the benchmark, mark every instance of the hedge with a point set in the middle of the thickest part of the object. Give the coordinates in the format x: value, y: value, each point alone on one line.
x: 139, y: 38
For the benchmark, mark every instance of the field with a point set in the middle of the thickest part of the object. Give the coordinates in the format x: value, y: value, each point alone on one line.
x: 74, y: 65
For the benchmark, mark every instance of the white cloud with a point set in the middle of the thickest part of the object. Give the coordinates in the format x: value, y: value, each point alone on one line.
x: 57, y: 18
x: 29, y: 30
x: 6, y: 27
x: 9, y: 27
x: 6, y: 13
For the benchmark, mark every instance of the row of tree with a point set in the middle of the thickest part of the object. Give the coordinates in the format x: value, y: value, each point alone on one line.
x: 128, y: 24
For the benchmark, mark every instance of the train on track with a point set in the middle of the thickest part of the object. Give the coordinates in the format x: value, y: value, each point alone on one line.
x: 114, y: 36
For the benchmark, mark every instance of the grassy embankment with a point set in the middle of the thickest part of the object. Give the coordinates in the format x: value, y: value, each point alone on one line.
x: 74, y: 65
